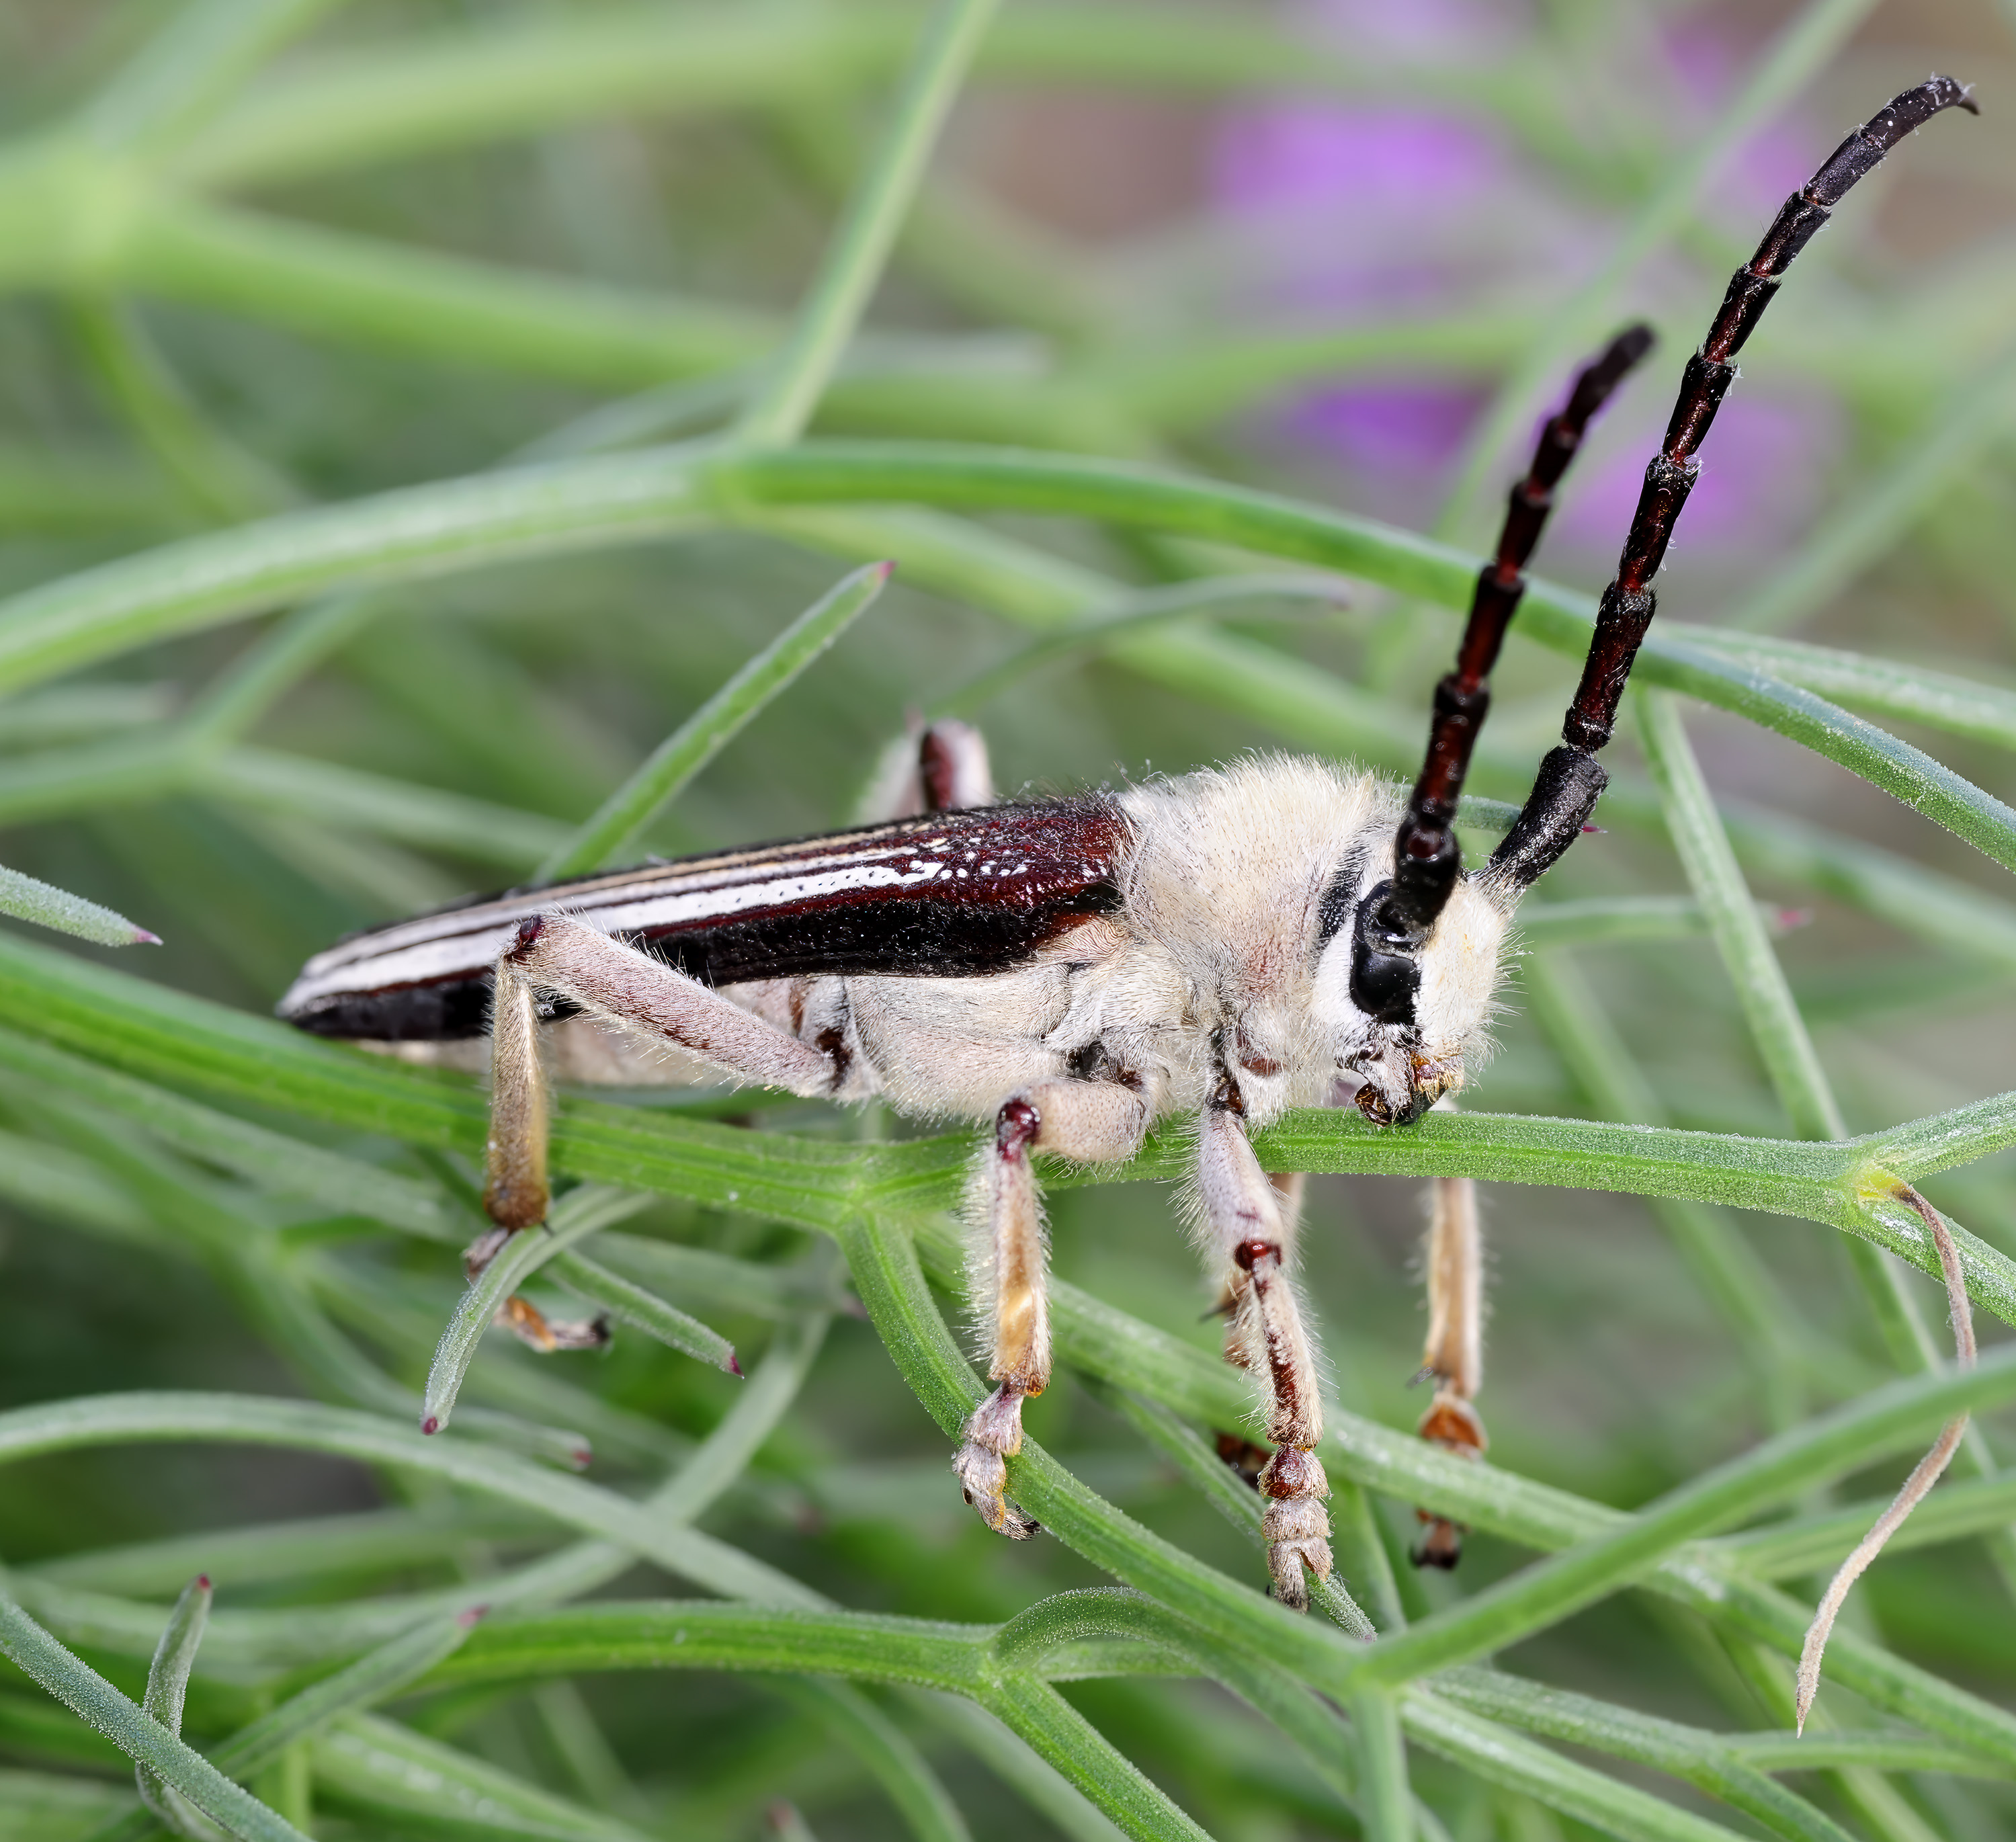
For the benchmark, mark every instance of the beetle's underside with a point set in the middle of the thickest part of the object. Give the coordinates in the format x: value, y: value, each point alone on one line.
x: 1219, y: 947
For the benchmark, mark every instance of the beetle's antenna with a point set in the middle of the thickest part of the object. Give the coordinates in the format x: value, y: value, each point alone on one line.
x: 1425, y: 858
x: 1570, y: 779
x: 1394, y: 919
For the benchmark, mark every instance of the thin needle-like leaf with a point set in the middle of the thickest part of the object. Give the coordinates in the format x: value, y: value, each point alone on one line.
x: 1231, y: 1497
x: 405, y: 1779
x: 167, y: 1687
x: 28, y: 898
x: 136, y: 1733
x: 623, y: 815
x: 188, y: 70
x: 375, y: 1676
x: 888, y: 1754
x: 574, y: 1218
x: 789, y: 393
x: 654, y: 1316
x: 1385, y: 1805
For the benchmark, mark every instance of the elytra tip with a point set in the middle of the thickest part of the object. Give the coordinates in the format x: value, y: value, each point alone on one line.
x: 734, y: 1367
x: 472, y: 1616
x: 142, y: 938
x: 430, y: 1424
x: 203, y: 1582
x: 884, y: 569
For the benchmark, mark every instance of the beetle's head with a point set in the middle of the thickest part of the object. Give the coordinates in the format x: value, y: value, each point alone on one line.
x: 1408, y: 1009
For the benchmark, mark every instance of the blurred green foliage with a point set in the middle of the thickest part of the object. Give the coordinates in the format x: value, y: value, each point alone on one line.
x: 266, y: 265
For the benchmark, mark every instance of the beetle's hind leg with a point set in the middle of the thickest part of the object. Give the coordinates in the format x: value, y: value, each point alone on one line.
x: 631, y: 991
x: 1454, y: 1356
x: 1095, y: 1122
x: 940, y: 767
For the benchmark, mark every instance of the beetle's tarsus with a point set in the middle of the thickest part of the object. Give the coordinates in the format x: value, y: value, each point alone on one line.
x: 992, y: 1435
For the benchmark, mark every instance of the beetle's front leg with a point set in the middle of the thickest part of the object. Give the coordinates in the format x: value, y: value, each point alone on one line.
x: 627, y: 990
x: 1454, y: 1355
x: 1243, y: 1213
x: 1095, y: 1122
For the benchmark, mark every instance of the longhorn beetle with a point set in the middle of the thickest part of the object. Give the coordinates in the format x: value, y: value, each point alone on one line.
x: 1221, y: 946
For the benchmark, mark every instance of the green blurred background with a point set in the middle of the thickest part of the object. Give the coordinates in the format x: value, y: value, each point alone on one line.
x: 1300, y: 246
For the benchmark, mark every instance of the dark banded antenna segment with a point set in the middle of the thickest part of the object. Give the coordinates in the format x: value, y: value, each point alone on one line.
x: 1393, y: 920
x: 1425, y: 857
x: 1570, y: 779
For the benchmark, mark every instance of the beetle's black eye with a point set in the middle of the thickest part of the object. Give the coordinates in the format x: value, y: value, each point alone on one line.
x: 1385, y: 973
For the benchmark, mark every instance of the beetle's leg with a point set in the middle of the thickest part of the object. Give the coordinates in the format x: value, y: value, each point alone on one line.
x: 1454, y: 1355
x: 939, y: 768
x: 1095, y: 1122
x: 514, y: 1194
x: 1248, y: 1224
x: 952, y: 768
x: 632, y: 991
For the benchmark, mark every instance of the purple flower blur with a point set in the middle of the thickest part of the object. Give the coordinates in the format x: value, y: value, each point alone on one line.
x: 1368, y: 210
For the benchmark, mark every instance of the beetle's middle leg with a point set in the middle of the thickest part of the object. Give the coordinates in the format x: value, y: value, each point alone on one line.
x: 1095, y: 1122
x: 1251, y: 1224
x: 1454, y: 1355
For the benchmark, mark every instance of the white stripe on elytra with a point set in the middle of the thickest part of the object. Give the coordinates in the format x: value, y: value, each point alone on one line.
x: 467, y: 941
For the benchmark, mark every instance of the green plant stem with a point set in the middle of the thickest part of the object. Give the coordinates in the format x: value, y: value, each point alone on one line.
x: 1094, y: 1338
x: 231, y: 705
x: 892, y: 1286
x: 1816, y: 1544
x: 183, y: 74
x: 275, y: 1161
x: 429, y: 530
x: 463, y: 86
x: 986, y: 1663
x: 623, y: 817
x: 144, y: 1740
x: 1131, y: 614
x: 1780, y: 1035
x: 404, y: 1778
x: 886, y: 1752
x: 1773, y: 1338
x: 1385, y: 1806
x: 1230, y: 1494
x: 785, y: 401
x: 1502, y: 1758
x: 221, y: 481
x: 374, y: 1439
x: 156, y: 1035
x: 1969, y: 706
x: 1774, y: 1472
x: 1703, y: 1760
